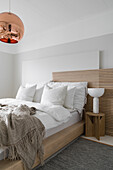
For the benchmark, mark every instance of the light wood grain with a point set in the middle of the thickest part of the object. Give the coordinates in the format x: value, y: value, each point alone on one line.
x: 94, y: 124
x: 106, y: 101
x: 95, y: 78
x: 51, y: 145
x: 78, y: 76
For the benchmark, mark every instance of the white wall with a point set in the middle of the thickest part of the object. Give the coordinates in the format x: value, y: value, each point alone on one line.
x: 41, y: 69
x: 6, y: 75
x: 11, y: 65
x: 103, y: 44
x: 81, y: 29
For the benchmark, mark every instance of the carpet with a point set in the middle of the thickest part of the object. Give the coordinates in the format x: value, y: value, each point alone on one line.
x: 82, y: 155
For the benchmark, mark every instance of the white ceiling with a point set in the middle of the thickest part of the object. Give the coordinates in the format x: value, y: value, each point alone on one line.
x: 40, y: 16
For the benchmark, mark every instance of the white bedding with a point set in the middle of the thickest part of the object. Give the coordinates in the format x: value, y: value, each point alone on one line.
x: 50, y: 116
x: 53, y: 118
x: 75, y: 117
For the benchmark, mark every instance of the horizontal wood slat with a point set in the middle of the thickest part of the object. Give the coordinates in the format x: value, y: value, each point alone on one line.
x: 51, y: 145
x: 95, y: 78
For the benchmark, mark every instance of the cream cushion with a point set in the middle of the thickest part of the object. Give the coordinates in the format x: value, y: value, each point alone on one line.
x: 39, y: 90
x: 26, y: 93
x: 78, y: 98
x: 54, y: 96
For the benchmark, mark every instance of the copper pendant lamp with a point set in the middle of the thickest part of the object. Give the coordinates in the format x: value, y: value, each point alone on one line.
x: 11, y: 27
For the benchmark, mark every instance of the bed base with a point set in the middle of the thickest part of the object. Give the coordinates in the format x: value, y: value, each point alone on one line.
x: 51, y: 144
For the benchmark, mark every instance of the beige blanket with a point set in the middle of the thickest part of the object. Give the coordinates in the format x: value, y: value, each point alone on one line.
x: 22, y: 134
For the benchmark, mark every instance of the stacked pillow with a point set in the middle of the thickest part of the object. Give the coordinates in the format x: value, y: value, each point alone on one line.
x: 54, y: 96
x: 69, y: 98
x: 26, y: 93
x: 31, y: 92
x: 80, y: 98
x: 76, y: 94
x: 38, y: 92
x: 71, y: 95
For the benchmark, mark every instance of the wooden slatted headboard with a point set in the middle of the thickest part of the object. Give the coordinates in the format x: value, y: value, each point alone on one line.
x: 95, y: 78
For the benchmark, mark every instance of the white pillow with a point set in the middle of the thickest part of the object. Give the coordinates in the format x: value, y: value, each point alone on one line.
x: 38, y: 95
x: 79, y: 98
x: 38, y: 92
x: 53, y: 96
x: 68, y: 103
x: 26, y: 93
x: 69, y: 84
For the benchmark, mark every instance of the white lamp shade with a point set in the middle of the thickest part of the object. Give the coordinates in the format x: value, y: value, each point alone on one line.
x: 95, y: 92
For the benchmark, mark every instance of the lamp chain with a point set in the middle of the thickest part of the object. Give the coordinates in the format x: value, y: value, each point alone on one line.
x: 9, y: 6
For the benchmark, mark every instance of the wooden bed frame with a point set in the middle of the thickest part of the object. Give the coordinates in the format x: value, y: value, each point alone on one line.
x: 51, y: 145
x: 95, y: 78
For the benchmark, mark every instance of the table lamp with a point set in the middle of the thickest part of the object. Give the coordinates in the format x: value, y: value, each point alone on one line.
x: 96, y: 93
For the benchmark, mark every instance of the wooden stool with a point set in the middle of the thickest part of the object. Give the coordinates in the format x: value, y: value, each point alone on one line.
x: 94, y: 124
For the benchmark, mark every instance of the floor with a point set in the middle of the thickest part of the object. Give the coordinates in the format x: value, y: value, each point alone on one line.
x: 82, y: 154
x: 108, y: 140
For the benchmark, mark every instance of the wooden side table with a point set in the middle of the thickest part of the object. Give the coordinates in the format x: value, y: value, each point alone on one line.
x: 94, y: 124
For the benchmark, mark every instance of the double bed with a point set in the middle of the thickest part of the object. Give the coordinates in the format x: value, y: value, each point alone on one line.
x: 62, y: 134
x: 57, y: 134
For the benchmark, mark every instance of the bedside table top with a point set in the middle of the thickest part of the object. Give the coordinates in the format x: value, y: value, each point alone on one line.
x: 95, y: 114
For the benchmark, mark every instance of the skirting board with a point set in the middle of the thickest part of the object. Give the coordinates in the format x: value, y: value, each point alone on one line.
x: 51, y: 145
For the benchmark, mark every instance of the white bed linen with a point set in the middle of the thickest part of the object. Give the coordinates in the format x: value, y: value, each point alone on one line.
x: 73, y: 119
x: 50, y: 116
x: 51, y: 125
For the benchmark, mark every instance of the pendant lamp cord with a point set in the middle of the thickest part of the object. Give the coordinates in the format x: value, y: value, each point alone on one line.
x: 9, y: 6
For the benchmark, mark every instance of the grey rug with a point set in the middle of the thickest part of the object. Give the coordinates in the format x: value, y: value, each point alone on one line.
x: 82, y: 155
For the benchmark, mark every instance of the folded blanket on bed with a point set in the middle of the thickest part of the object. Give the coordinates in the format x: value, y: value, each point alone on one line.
x: 21, y: 133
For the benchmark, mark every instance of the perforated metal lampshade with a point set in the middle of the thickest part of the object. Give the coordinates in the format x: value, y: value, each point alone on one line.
x: 11, y: 28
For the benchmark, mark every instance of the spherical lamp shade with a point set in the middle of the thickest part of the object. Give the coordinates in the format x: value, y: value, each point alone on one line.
x: 11, y: 28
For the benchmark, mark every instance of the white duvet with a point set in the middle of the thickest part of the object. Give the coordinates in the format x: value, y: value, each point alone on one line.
x: 50, y: 116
